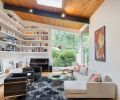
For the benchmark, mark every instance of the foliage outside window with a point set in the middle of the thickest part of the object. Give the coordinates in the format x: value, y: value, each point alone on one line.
x: 85, y: 47
x: 69, y: 46
x: 69, y: 43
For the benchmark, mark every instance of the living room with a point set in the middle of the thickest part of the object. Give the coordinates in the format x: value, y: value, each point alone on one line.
x: 104, y: 20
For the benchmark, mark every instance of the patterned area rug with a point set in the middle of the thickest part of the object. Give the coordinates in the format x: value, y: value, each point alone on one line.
x: 45, y: 89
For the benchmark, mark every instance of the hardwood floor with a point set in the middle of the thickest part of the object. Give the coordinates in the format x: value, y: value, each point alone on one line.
x: 1, y: 92
x: 43, y: 74
x: 46, y: 73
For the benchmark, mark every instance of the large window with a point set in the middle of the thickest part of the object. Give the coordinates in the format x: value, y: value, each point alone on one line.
x: 85, y: 48
x: 66, y: 46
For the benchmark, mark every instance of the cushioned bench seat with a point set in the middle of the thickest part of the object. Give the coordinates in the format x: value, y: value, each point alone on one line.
x: 79, y: 89
x: 75, y: 87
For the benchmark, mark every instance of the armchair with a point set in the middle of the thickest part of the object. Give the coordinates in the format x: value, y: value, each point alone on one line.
x: 33, y: 72
x: 41, y: 62
x: 30, y: 73
x: 15, y: 85
x: 37, y: 72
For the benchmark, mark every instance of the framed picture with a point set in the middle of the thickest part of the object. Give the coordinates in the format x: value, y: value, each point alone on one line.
x: 100, y: 54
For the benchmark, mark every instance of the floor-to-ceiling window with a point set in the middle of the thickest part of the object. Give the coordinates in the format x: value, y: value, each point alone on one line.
x: 85, y: 48
x: 67, y: 46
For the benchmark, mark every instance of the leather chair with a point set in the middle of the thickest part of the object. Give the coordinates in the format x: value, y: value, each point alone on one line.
x: 15, y: 85
x: 30, y: 73
x: 37, y: 72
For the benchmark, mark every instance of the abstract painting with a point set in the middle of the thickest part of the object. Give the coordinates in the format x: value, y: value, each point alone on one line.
x: 100, y: 54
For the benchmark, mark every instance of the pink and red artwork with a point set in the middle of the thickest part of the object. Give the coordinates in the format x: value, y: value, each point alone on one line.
x: 100, y: 44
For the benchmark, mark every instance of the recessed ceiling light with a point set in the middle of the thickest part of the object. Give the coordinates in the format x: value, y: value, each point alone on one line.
x: 31, y: 10
x: 51, y: 3
x: 63, y: 15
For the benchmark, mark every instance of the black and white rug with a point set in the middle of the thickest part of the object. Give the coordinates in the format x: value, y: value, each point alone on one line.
x: 45, y: 89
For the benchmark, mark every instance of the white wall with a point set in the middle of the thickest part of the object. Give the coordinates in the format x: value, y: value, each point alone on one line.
x: 46, y: 26
x: 108, y: 15
x: 6, y: 57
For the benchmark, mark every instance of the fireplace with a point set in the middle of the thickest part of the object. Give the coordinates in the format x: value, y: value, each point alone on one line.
x: 43, y: 62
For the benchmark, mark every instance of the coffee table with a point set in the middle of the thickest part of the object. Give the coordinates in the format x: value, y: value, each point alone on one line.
x: 57, y: 78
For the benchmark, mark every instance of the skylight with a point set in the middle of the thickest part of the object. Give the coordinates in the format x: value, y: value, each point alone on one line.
x: 51, y: 3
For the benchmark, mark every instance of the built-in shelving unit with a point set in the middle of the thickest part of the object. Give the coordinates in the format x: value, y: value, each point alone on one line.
x: 36, y: 41
x: 15, y: 38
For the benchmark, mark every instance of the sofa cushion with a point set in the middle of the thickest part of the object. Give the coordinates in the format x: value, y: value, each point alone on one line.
x: 80, y: 77
x: 83, y: 71
x: 106, y: 78
x: 95, y: 77
x: 75, y: 87
x: 77, y: 68
x: 91, y: 76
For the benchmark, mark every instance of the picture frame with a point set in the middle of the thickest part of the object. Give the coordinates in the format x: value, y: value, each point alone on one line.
x: 100, y: 53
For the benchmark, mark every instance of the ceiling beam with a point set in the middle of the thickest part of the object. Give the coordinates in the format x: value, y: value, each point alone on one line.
x: 46, y: 13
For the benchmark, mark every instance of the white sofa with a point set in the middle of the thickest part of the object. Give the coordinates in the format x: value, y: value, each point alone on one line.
x: 82, y: 88
x: 77, y: 89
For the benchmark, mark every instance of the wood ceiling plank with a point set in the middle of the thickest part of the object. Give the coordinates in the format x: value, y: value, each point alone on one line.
x: 10, y: 1
x: 50, y: 21
x: 81, y: 8
x: 46, y: 13
x: 88, y: 5
x: 32, y: 4
x: 23, y: 15
x: 73, y: 7
x: 97, y: 4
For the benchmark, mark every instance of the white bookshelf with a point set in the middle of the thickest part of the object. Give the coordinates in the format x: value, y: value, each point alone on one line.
x: 15, y: 35
x: 9, y: 27
x: 5, y: 34
x: 25, y: 45
x: 11, y: 22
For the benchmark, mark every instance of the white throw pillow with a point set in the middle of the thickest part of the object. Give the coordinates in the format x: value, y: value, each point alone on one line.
x: 84, y: 71
x: 107, y: 78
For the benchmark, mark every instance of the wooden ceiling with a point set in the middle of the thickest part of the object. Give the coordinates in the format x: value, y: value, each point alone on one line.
x: 50, y: 21
x: 80, y: 8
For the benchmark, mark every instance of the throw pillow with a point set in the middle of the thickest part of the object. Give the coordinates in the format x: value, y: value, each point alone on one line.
x: 77, y: 68
x: 91, y: 76
x: 84, y: 71
x: 107, y: 78
x: 95, y: 78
